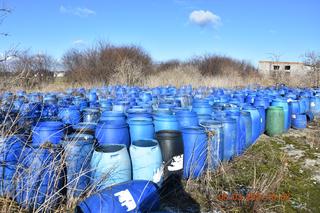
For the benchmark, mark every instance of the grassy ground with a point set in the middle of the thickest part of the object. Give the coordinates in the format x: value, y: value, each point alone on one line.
x: 278, y: 174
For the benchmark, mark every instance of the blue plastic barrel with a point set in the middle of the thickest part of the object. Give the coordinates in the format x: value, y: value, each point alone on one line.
x: 132, y: 196
x: 214, y: 131
x: 145, y: 97
x: 70, y: 115
x: 304, y: 104
x: 228, y: 147
x: 138, y: 112
x: 78, y: 152
x: 40, y: 173
x: 250, y: 98
x: 47, y: 131
x: 110, y: 165
x: 187, y: 118
x: 141, y: 128
x: 17, y: 104
x: 195, y: 152
x: 202, y: 118
x: 256, y: 122
x: 146, y: 161
x: 299, y: 121
x: 112, y: 132
x: 80, y: 103
x: 245, y: 117
x: 105, y: 104
x: 30, y: 109
x: 119, y: 117
x: 121, y: 106
x: 262, y: 113
x: 92, y: 96
x: 85, y: 128
x: 201, y: 107
x: 261, y: 101
x: 10, y: 151
x: 165, y: 122
x: 295, y: 107
x: 91, y: 115
x: 50, y: 110
x: 241, y: 130
x: 315, y: 105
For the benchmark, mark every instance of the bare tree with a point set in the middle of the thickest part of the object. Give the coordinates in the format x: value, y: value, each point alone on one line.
x: 29, y: 71
x: 12, y: 51
x: 277, y: 75
x: 128, y: 73
x: 312, y: 59
x: 4, y: 12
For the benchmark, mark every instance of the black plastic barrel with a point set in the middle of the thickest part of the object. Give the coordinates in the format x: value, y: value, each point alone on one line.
x: 171, y: 146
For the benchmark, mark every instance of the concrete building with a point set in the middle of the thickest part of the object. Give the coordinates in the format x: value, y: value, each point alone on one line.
x: 59, y: 74
x: 284, y: 68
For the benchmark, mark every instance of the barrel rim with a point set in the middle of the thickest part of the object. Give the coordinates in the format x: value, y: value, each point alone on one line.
x: 107, y: 148
x: 152, y: 143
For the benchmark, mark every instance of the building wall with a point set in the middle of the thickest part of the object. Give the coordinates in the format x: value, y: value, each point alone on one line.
x: 268, y: 67
x: 59, y: 74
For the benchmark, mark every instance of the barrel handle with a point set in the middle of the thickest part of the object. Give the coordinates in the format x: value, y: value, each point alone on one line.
x: 114, y: 155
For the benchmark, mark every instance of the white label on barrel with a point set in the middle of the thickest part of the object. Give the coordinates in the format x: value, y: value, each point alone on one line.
x: 294, y: 116
x: 126, y: 199
x: 176, y: 163
x: 312, y: 104
x: 157, y: 174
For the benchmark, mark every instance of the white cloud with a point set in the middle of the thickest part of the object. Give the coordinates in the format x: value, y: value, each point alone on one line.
x: 204, y: 18
x: 79, y: 42
x: 77, y: 11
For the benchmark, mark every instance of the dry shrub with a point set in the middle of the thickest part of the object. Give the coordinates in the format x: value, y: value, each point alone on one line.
x: 216, y: 65
x: 100, y: 62
x: 171, y: 64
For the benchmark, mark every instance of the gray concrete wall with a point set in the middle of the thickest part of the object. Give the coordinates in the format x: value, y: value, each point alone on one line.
x: 267, y: 67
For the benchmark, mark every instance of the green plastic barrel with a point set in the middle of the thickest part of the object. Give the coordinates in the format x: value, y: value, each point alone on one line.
x: 274, y: 121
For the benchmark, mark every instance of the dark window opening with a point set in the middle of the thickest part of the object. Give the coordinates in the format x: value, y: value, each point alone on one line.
x: 276, y: 67
x: 287, y: 67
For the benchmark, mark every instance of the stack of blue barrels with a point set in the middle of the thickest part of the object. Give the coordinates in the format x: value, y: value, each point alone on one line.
x: 124, y: 144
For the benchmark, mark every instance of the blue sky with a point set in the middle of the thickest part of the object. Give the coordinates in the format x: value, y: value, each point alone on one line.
x: 168, y: 29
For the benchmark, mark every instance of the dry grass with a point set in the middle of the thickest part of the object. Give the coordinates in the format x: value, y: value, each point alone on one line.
x: 189, y: 74
x: 179, y: 76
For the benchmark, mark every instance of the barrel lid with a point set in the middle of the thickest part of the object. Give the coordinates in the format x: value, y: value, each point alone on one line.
x: 79, y: 137
x: 275, y: 108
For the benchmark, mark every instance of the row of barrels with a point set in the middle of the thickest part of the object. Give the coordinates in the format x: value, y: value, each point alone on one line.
x: 85, y: 144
